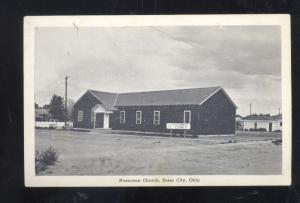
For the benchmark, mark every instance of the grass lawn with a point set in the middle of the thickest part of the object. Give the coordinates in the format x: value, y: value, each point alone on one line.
x: 100, y: 153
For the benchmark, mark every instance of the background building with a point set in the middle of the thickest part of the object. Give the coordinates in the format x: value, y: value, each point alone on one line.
x: 262, y: 122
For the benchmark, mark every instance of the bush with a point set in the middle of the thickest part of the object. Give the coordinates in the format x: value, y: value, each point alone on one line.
x: 228, y: 142
x: 64, y: 127
x: 277, y: 141
x: 80, y: 130
x: 41, y: 128
x: 258, y: 129
x: 52, y: 127
x: 45, y: 159
x: 39, y: 165
x: 232, y: 141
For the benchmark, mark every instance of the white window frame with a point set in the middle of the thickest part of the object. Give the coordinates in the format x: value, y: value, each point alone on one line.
x: 190, y: 114
x: 80, y: 115
x: 136, y: 117
x: 124, y: 120
x: 158, y: 121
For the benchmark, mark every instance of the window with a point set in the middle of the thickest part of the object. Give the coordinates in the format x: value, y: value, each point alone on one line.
x: 156, y: 118
x: 122, y: 117
x: 187, y: 117
x: 280, y: 123
x: 80, y: 115
x: 255, y: 125
x: 138, y: 117
x: 92, y: 116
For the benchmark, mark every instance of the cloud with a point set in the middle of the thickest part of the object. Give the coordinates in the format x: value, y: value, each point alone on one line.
x: 249, y: 50
x: 243, y: 59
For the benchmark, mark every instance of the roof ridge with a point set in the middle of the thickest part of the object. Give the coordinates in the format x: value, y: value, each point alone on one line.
x: 171, y: 90
x: 160, y: 97
x: 101, y: 91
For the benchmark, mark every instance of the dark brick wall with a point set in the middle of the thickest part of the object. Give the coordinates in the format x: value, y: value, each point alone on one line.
x: 86, y: 103
x: 216, y: 115
x: 168, y: 114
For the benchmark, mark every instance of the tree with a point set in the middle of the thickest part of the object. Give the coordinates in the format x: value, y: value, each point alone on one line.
x: 36, y: 106
x: 238, y: 125
x: 56, y: 108
x: 46, y: 106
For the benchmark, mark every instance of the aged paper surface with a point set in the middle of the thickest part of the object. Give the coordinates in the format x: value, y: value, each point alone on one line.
x: 33, y: 26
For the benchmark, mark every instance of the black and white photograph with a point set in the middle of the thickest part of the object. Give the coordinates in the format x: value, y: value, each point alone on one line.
x: 157, y: 100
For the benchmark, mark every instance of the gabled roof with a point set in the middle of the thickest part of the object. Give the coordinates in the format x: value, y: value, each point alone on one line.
x: 165, y: 97
x: 104, y: 97
x: 258, y: 117
x: 263, y: 117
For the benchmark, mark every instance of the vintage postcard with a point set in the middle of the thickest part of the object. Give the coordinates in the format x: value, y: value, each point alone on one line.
x: 177, y: 100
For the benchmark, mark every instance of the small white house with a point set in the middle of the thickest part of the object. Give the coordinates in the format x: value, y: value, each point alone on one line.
x: 262, y: 122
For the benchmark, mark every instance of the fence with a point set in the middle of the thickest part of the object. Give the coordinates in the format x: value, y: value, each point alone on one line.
x: 48, y: 124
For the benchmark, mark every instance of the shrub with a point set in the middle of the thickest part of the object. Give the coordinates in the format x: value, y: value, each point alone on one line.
x: 80, y: 130
x: 277, y: 141
x: 258, y: 129
x: 39, y: 165
x: 228, y: 142
x: 52, y: 127
x: 45, y: 159
x: 64, y: 127
x: 232, y: 141
x: 41, y: 128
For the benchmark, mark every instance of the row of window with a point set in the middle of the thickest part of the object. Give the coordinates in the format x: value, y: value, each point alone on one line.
x: 156, y: 117
x: 138, y: 117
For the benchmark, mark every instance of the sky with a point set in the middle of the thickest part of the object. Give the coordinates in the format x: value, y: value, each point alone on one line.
x: 244, y: 60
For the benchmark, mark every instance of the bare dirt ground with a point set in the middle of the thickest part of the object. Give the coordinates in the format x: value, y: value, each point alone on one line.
x: 100, y: 153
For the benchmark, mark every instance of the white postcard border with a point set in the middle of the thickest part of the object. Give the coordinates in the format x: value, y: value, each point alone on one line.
x: 30, y: 24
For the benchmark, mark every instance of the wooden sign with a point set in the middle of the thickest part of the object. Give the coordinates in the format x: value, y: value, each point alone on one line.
x: 180, y: 126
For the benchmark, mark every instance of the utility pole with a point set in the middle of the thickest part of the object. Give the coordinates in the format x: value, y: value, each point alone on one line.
x: 279, y: 111
x: 250, y: 110
x: 66, y: 98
